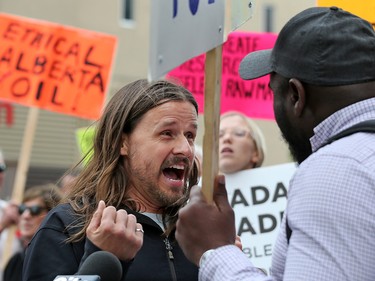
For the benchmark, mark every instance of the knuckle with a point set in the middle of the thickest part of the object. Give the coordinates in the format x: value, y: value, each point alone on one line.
x: 131, y: 217
x: 122, y: 212
x: 110, y: 209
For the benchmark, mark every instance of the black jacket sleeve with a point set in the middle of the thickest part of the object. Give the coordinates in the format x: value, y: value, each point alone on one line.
x: 49, y: 254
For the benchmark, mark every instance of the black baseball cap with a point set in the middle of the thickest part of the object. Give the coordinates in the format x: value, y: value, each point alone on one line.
x: 320, y: 46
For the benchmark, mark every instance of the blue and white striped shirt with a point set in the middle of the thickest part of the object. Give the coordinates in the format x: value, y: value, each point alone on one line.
x: 331, y: 211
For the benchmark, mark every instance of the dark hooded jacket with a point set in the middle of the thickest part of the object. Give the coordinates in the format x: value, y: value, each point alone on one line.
x: 49, y: 255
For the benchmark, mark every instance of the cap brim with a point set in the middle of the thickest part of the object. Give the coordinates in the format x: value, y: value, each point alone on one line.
x: 256, y: 64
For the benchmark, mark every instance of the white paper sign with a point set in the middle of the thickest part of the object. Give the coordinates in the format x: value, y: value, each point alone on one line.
x: 258, y: 197
x: 181, y: 30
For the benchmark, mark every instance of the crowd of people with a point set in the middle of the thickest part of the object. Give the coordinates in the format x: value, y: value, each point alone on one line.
x: 138, y: 199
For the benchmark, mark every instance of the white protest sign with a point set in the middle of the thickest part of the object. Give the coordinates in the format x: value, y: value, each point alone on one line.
x: 258, y: 197
x: 181, y: 30
x: 240, y: 11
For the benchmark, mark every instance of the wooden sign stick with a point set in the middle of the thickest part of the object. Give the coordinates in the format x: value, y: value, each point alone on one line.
x: 212, y: 93
x: 21, y: 174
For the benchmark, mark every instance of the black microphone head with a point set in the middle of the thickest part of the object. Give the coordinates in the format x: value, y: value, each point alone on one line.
x: 104, y: 264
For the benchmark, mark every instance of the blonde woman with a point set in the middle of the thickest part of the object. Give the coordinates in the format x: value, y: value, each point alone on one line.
x: 241, y: 143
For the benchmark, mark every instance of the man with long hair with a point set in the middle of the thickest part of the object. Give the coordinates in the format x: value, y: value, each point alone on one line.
x: 126, y: 199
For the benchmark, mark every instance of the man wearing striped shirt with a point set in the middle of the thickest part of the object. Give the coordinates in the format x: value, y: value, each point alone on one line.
x: 322, y: 71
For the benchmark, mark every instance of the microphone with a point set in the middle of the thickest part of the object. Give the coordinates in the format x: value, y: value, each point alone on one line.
x: 77, y: 278
x: 99, y: 266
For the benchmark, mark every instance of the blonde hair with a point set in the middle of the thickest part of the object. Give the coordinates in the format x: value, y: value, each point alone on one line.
x: 255, y: 133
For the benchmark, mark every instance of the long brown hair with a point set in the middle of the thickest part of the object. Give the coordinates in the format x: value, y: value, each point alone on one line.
x: 105, y: 177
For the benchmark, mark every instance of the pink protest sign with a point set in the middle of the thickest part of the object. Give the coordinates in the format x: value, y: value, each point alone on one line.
x: 253, y: 98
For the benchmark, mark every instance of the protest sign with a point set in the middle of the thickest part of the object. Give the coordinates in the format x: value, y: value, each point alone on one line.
x: 253, y: 98
x: 54, y: 67
x: 258, y: 197
x: 6, y: 113
x: 183, y: 29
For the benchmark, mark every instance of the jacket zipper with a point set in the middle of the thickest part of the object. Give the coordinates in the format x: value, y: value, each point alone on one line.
x: 170, y: 257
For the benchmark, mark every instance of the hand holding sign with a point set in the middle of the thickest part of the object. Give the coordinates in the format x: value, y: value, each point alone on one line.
x: 195, y: 236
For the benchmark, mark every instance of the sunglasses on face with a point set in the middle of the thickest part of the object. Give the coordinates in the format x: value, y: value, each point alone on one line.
x: 34, y: 210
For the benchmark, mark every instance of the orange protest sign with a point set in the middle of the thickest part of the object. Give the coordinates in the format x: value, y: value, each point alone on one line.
x: 54, y: 67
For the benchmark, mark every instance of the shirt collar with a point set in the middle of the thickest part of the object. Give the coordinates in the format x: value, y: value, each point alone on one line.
x: 341, y: 120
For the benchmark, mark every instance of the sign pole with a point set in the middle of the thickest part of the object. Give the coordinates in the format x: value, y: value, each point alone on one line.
x: 21, y: 174
x: 212, y: 93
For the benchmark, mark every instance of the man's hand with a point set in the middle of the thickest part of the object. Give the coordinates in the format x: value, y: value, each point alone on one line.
x: 202, y: 226
x: 10, y: 216
x: 115, y: 231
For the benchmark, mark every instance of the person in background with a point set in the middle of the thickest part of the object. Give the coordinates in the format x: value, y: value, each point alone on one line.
x: 322, y: 71
x: 241, y: 143
x: 8, y: 211
x: 126, y: 198
x: 8, y: 217
x: 67, y: 180
x: 36, y: 203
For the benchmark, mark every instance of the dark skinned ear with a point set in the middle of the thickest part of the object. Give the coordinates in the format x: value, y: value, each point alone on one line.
x: 298, y: 96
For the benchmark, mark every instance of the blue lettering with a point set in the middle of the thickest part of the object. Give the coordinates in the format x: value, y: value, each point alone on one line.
x: 175, y: 8
x: 193, y: 5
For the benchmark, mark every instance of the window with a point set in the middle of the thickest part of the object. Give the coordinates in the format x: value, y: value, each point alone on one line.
x: 269, y: 19
x: 127, y: 13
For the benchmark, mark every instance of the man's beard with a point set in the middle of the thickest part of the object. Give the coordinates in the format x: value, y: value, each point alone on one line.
x: 299, y: 146
x: 164, y: 199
